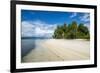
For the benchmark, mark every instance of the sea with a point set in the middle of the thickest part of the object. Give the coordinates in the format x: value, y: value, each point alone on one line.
x: 29, y: 43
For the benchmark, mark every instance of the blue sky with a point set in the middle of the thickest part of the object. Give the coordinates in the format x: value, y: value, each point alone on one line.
x: 43, y: 23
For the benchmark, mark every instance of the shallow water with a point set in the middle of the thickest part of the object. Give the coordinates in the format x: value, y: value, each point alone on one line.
x: 29, y: 44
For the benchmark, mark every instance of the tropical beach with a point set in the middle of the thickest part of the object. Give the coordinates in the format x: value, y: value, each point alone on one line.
x: 59, y: 50
x: 49, y: 36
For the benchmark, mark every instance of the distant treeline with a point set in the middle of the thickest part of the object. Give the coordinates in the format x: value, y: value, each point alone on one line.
x: 71, y: 31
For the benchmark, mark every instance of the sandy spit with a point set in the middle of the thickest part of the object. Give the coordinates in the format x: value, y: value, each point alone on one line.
x: 59, y: 50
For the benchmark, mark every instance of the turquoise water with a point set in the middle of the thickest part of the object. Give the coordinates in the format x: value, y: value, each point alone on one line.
x: 28, y: 44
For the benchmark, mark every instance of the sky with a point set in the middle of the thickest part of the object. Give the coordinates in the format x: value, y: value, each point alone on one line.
x: 43, y: 23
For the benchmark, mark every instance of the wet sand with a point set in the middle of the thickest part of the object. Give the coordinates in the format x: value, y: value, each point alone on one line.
x: 59, y: 50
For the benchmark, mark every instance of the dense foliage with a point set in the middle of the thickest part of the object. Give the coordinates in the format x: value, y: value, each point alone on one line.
x: 72, y: 31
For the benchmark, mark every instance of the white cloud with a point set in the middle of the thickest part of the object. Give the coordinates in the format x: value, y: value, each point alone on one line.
x: 27, y: 29
x: 37, y: 29
x: 85, y: 17
x: 73, y: 15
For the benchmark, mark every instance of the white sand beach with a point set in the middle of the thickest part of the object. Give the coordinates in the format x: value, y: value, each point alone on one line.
x: 59, y: 50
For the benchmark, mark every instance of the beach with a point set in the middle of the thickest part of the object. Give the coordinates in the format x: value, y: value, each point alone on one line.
x: 59, y: 50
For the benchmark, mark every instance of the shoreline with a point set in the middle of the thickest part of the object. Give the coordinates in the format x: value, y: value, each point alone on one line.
x: 59, y: 50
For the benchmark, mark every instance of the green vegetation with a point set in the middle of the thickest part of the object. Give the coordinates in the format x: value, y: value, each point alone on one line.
x: 72, y: 31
